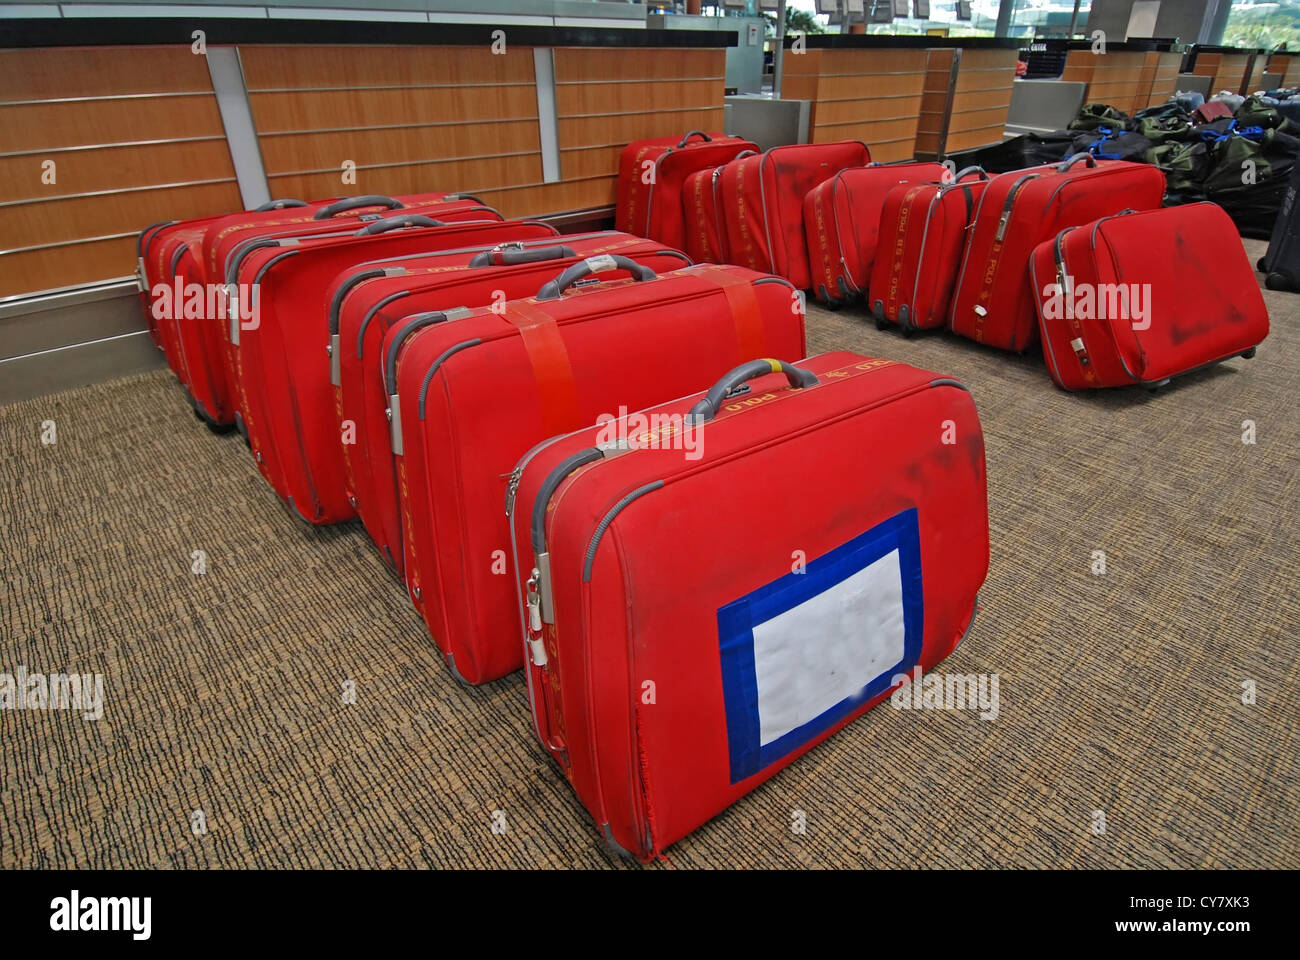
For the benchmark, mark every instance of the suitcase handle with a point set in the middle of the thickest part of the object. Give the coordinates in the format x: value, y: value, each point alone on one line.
x: 355, y: 203
x: 396, y: 223
x: 507, y: 255
x: 967, y: 171
x: 694, y: 133
x: 745, y: 153
x: 278, y: 205
x: 707, y: 408
x: 1071, y: 161
x: 554, y: 289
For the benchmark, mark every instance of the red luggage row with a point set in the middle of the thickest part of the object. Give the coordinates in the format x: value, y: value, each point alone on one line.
x: 422, y: 362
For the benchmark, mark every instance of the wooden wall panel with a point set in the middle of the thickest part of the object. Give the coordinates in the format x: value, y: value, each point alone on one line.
x: 411, y: 119
x: 1160, y: 77
x: 130, y: 146
x: 976, y: 111
x: 1287, y: 64
x: 29, y: 271
x: 606, y: 99
x: 856, y: 94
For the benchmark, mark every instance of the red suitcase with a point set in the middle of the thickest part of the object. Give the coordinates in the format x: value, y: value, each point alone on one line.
x: 473, y: 395
x: 152, y: 261
x: 762, y: 202
x: 230, y: 245
x: 377, y: 306
x: 841, y: 218
x: 694, y: 625
x: 650, y: 176
x: 922, y: 237
x: 1120, y: 300
x: 285, y: 394
x: 706, y: 235
x: 992, y: 302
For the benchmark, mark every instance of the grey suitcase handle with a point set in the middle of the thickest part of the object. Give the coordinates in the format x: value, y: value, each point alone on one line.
x: 1071, y: 161
x: 694, y: 133
x: 707, y: 408
x: 356, y: 203
x: 507, y: 255
x: 278, y: 205
x: 967, y: 171
x: 554, y: 289
x: 397, y: 223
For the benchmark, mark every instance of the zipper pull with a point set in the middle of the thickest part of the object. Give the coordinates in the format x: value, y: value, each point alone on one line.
x: 512, y: 488
x: 536, y: 648
x: 1002, y: 225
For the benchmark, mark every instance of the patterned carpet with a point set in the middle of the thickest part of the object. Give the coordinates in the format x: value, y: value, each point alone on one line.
x: 1120, y: 693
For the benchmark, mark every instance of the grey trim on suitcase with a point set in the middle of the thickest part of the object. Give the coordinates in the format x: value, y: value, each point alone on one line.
x: 344, y: 288
x: 450, y: 658
x: 601, y: 527
x: 370, y: 315
x: 613, y: 845
x: 176, y: 258
x: 544, y: 493
x: 139, y: 241
x: 949, y: 382
x: 428, y: 377
x: 407, y: 327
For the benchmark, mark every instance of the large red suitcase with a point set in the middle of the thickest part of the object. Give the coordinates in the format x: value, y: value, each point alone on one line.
x: 1122, y: 300
x: 473, y: 395
x: 152, y: 262
x: 285, y: 394
x: 992, y: 302
x: 762, y: 201
x: 650, y: 177
x: 841, y: 219
x: 694, y: 625
x: 376, y: 307
x: 229, y: 246
x: 922, y: 237
x: 706, y: 234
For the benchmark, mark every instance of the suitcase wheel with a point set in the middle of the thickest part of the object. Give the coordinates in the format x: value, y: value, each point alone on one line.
x: 1155, y: 387
x: 1249, y: 354
x: 882, y: 323
x: 218, y: 428
x: 1277, y: 281
x: 1259, y: 265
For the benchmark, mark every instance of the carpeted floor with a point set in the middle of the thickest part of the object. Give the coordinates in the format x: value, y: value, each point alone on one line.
x: 1120, y: 693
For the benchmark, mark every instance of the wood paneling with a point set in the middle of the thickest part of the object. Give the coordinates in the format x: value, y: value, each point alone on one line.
x: 868, y: 95
x: 411, y: 106
x: 1160, y: 77
x: 88, y: 262
x: 122, y: 137
x: 48, y: 126
x: 57, y: 72
x: 1287, y: 64
x: 344, y: 67
x: 976, y: 110
x: 477, y: 176
x: 327, y: 151
x: 606, y: 99
x: 113, y: 168
x: 71, y: 218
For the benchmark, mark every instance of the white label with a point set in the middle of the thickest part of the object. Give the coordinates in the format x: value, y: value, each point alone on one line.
x: 601, y: 263
x: 831, y: 646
